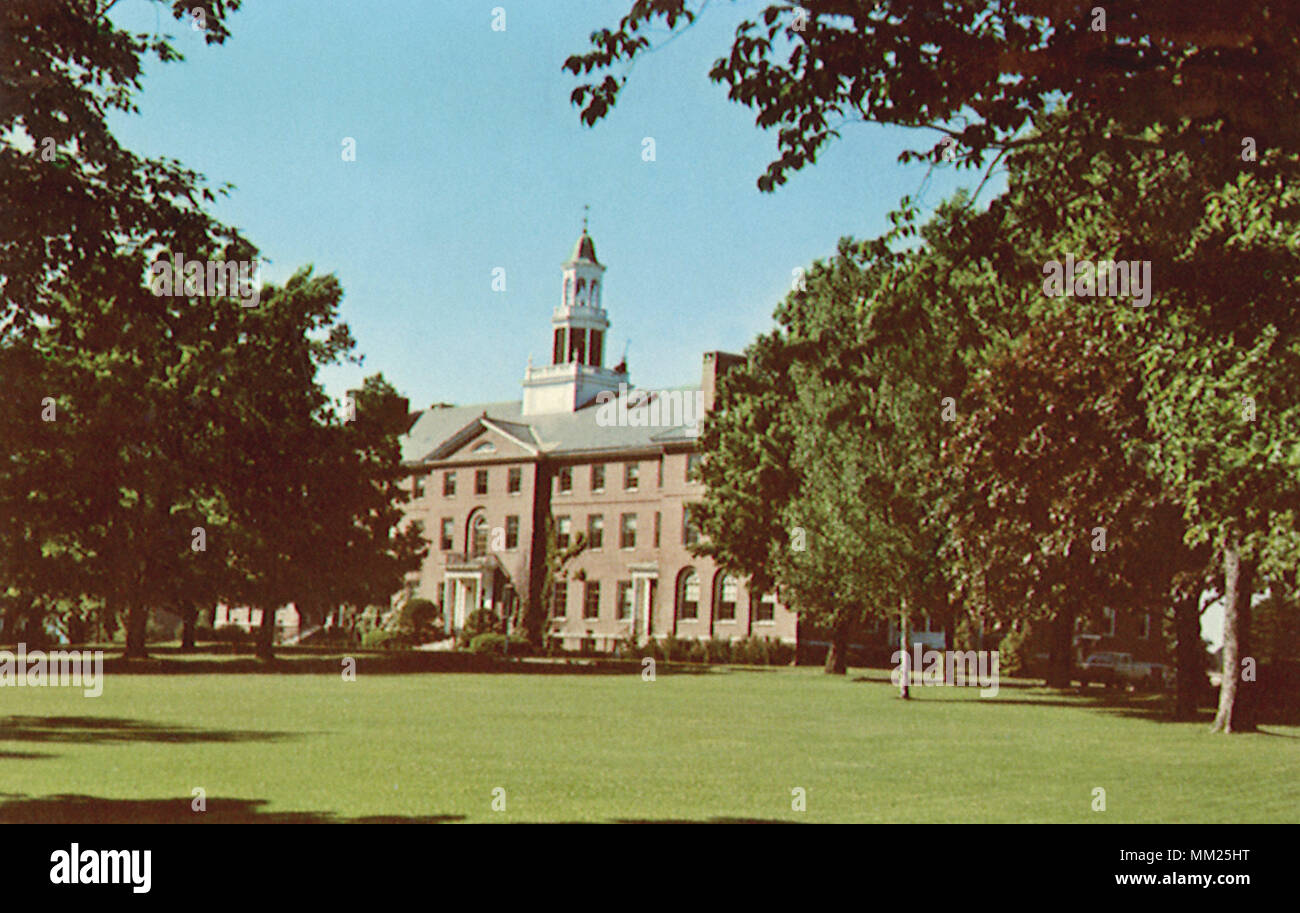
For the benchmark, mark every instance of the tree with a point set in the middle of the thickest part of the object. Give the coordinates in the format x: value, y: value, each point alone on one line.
x: 313, y: 497
x: 1053, y: 510
x: 839, y: 416
x: 980, y: 73
x: 556, y: 559
x: 85, y: 200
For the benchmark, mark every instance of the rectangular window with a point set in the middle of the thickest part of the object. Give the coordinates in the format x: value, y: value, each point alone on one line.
x: 631, y: 476
x: 692, y: 467
x: 514, y: 480
x: 512, y: 531
x: 444, y: 541
x: 560, y: 601
x: 598, y: 477
x: 417, y: 487
x: 595, y: 530
x: 566, y: 478
x: 1108, y: 621
x: 591, y: 600
x: 627, y: 531
x: 690, y: 533
x: 660, y: 468
x: 691, y: 597
x: 557, y: 350
x: 624, y: 600
x: 480, y: 481
x: 727, y: 599
x: 658, y: 524
x: 562, y: 532
x: 1144, y: 630
x: 448, y: 484
x: 597, y: 352
x: 766, y: 609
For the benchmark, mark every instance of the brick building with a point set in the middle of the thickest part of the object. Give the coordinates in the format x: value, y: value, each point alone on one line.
x: 604, y: 460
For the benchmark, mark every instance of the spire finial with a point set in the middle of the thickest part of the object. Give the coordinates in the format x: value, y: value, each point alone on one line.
x: 585, y: 209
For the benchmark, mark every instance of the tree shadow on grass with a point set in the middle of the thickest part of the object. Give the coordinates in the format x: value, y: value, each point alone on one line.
x: 1141, y: 708
x: 99, y: 729
x: 69, y: 809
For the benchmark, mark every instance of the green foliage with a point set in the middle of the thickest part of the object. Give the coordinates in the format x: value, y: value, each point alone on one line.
x: 1014, y: 656
x: 978, y: 72
x: 381, y: 639
x: 495, y: 644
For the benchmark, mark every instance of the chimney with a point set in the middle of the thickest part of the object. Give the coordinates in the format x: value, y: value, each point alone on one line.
x: 715, y: 365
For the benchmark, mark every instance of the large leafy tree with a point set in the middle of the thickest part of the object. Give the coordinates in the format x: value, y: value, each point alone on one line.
x: 84, y: 198
x: 1053, y: 510
x: 822, y: 456
x: 313, y: 498
x: 981, y: 73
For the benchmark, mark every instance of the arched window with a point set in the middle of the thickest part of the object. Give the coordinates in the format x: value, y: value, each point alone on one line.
x: 593, y: 296
x: 478, y: 535
x: 688, y: 594
x: 578, y: 298
x: 568, y: 289
x: 725, y: 592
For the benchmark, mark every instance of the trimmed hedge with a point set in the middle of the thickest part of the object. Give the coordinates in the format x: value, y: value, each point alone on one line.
x: 496, y: 644
x: 750, y: 651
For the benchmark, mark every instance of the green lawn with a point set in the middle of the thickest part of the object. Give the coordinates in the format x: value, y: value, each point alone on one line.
x: 728, y: 744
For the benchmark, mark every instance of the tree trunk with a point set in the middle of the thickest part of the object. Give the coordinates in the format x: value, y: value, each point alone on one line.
x: 266, y: 635
x: 189, y: 619
x: 137, y: 626
x: 1060, y: 658
x: 1234, y: 694
x: 948, y: 621
x: 905, y: 669
x: 837, y: 657
x: 1189, y: 662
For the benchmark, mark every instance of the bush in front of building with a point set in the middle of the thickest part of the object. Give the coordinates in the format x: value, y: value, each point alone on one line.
x: 494, y: 643
x: 381, y: 639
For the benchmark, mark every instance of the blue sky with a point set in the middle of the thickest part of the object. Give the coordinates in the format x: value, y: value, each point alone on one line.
x: 469, y: 156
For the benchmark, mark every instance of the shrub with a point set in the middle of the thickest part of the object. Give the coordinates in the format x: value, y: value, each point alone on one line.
x: 481, y: 621
x: 674, y: 650
x: 778, y: 653
x: 717, y: 650
x: 1014, y: 657
x: 494, y: 643
x: 419, y: 616
x: 751, y: 651
x: 386, y: 640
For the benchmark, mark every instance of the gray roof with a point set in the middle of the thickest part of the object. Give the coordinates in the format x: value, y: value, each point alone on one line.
x: 557, y: 433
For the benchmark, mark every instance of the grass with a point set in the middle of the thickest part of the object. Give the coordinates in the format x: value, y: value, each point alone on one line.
x: 727, y: 745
